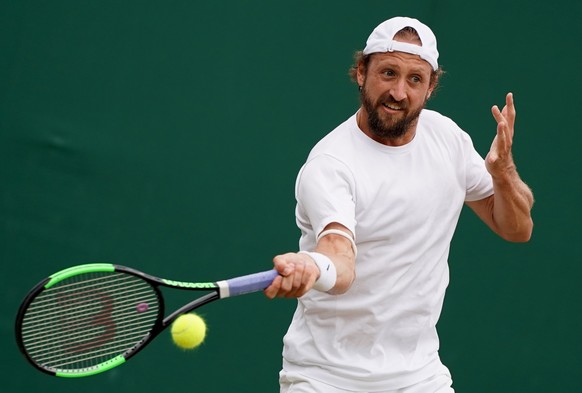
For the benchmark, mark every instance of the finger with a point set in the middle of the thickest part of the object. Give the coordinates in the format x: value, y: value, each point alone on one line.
x: 497, y: 115
x: 502, y: 121
x: 300, y: 269
x: 297, y: 280
x: 286, y: 285
x: 283, y: 266
x: 502, y: 135
x: 510, y: 103
x: 509, y: 110
x: 272, y: 290
x: 280, y: 285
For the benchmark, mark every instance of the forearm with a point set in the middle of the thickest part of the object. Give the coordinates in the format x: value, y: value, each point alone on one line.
x: 300, y: 272
x: 344, y: 262
x: 511, y: 210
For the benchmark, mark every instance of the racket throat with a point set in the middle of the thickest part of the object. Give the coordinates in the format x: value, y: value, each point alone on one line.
x: 210, y: 297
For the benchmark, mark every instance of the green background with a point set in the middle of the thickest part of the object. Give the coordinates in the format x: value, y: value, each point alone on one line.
x: 166, y: 136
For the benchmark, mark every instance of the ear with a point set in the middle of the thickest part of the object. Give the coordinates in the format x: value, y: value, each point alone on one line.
x: 434, y: 81
x: 361, y: 74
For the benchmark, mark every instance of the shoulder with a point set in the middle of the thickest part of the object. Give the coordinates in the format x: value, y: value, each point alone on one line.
x: 435, y: 120
x: 441, y: 127
x: 337, y: 147
x: 332, y: 157
x: 336, y: 140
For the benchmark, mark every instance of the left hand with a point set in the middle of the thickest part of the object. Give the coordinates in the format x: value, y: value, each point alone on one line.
x: 499, y: 160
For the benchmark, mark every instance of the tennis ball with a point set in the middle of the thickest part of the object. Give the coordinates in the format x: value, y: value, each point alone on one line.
x: 188, y: 331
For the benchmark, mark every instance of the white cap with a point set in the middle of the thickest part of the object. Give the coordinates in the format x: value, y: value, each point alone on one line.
x: 382, y: 40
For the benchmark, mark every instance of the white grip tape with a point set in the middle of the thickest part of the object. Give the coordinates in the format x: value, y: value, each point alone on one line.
x: 327, y: 271
x: 223, y: 289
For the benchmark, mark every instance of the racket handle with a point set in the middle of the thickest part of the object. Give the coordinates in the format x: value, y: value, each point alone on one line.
x: 247, y: 284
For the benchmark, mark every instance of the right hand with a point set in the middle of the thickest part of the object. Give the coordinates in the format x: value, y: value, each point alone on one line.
x: 297, y: 274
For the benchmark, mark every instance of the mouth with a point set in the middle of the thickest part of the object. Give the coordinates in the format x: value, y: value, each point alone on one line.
x: 393, y: 106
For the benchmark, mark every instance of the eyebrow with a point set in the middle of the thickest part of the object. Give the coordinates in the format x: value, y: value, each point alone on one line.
x: 413, y: 70
x: 395, y: 64
x: 418, y: 71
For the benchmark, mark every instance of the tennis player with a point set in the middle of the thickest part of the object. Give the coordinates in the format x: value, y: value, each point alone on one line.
x: 378, y: 201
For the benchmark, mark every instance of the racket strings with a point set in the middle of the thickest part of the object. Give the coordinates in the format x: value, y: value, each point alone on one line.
x: 45, y: 307
x: 88, y: 319
x: 70, y: 290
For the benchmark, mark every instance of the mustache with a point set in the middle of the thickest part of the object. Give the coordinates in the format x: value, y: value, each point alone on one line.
x: 389, y: 100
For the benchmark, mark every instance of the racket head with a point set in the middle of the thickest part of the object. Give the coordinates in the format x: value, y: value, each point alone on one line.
x: 88, y: 319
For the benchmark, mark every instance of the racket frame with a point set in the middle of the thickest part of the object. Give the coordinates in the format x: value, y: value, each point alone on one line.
x: 218, y: 290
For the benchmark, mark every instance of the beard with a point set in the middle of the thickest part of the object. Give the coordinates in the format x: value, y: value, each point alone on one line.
x: 384, y: 126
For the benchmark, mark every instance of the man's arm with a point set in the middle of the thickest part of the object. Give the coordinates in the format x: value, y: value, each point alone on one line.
x: 299, y: 272
x: 508, y: 211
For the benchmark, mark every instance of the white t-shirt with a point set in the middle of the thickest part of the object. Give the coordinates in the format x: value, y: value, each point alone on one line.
x: 402, y: 204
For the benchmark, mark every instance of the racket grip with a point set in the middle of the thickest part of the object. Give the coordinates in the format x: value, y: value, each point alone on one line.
x: 247, y: 284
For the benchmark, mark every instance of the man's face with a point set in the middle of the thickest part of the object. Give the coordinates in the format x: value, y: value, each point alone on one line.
x: 395, y: 88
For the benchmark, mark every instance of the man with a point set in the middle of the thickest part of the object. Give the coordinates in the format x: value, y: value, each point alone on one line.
x: 378, y: 201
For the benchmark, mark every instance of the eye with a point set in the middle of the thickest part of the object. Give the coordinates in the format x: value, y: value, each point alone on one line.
x: 416, y: 79
x: 389, y: 72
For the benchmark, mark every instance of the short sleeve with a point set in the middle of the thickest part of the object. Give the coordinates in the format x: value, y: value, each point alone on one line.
x: 325, y: 194
x: 479, y: 184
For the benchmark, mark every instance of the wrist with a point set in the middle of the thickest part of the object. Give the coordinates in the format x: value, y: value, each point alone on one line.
x: 327, y: 271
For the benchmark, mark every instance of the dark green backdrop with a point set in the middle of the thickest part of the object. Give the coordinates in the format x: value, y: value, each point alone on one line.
x: 166, y: 136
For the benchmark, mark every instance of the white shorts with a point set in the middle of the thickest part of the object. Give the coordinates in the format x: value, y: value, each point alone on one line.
x: 291, y: 382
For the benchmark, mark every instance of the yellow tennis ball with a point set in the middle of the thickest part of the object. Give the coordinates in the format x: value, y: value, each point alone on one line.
x: 188, y: 331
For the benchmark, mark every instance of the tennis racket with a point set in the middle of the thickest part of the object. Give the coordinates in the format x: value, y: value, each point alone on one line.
x: 90, y: 318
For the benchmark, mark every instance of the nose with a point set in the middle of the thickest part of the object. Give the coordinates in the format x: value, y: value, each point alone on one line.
x: 398, y: 90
